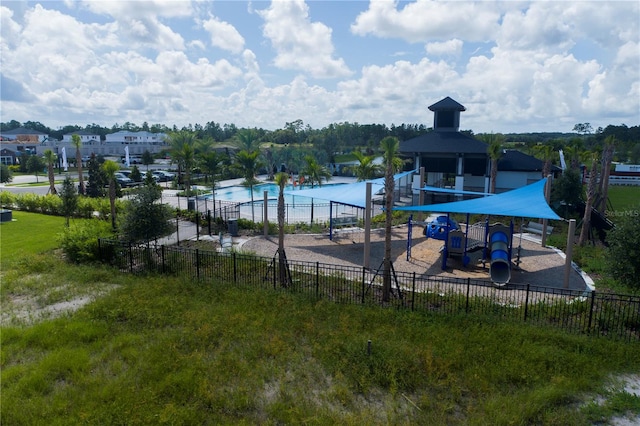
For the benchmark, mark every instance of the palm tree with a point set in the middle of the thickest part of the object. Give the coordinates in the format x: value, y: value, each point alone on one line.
x: 314, y: 172
x: 392, y: 162
x: 366, y: 168
x: 248, y: 164
x: 211, y: 164
x: 591, y: 192
x: 50, y: 159
x: 281, y: 181
x: 494, y: 150
x: 182, y: 147
x: 77, y: 143
x: 110, y: 168
x: 247, y: 139
x: 546, y: 152
x: 607, y: 157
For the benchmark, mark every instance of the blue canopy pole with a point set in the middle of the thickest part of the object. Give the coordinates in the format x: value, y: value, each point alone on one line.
x: 466, y: 239
x: 445, y: 253
x: 410, y: 228
x: 511, y: 241
x: 331, y: 220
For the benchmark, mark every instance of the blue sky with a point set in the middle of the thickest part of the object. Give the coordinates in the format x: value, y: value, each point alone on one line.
x: 516, y: 66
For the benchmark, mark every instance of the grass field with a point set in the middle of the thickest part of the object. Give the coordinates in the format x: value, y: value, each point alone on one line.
x: 153, y: 350
x: 624, y: 197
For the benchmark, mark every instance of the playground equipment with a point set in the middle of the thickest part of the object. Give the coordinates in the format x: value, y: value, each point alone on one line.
x: 440, y: 227
x: 500, y: 254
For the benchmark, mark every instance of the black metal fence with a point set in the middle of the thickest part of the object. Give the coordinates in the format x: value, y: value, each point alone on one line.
x: 590, y: 312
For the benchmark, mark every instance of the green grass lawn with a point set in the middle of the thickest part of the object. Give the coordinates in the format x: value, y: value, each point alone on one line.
x: 624, y: 197
x: 154, y: 349
x: 28, y: 233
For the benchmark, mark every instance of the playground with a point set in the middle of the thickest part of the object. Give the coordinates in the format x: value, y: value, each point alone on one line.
x: 542, y: 266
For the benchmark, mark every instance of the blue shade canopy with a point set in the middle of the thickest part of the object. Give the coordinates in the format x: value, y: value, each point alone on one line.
x: 528, y: 201
x: 351, y: 194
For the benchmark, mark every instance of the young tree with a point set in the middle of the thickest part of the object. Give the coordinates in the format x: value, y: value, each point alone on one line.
x: 69, y: 197
x: 34, y: 165
x: 147, y: 158
x: 389, y: 147
x: 50, y: 159
x: 77, y: 143
x: 248, y: 164
x: 546, y: 152
x: 97, y: 179
x: 5, y: 174
x: 144, y: 218
x: 314, y: 172
x: 110, y: 168
x: 135, y: 174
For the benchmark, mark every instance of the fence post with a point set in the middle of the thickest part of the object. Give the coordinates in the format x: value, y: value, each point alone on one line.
x: 197, y: 225
x: 364, y: 271
x: 413, y: 291
x: 130, y: 257
x: 593, y: 300
x: 163, y: 258
x: 275, y: 273
x: 466, y: 307
x: 209, y: 221
x: 235, y: 269
x: 317, y: 279
x: 526, y: 303
x: 197, y: 264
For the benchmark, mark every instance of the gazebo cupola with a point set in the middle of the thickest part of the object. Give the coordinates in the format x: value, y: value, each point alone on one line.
x: 446, y: 115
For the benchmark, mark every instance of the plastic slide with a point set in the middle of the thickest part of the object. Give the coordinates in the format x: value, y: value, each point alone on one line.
x: 499, y: 268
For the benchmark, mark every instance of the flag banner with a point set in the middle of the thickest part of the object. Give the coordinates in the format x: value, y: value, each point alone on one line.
x: 126, y: 156
x: 65, y: 165
x: 563, y: 164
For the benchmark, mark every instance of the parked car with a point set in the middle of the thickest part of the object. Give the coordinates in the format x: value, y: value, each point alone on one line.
x: 163, y: 176
x: 122, y: 180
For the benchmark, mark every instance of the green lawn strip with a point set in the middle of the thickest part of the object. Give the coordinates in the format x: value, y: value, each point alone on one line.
x: 166, y: 350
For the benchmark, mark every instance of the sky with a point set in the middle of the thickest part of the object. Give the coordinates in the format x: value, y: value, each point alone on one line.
x: 516, y: 66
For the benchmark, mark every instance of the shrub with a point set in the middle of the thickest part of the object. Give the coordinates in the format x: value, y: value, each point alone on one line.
x: 28, y: 202
x: 86, y: 207
x: 624, y: 249
x: 51, y: 204
x: 79, y: 242
x: 7, y: 199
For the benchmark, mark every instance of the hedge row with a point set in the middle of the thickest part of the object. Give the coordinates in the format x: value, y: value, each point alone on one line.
x: 52, y: 204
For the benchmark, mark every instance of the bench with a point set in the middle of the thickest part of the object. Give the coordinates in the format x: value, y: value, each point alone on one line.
x: 345, y: 221
x: 536, y: 228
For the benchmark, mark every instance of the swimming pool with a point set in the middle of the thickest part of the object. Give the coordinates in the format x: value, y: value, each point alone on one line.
x: 241, y: 194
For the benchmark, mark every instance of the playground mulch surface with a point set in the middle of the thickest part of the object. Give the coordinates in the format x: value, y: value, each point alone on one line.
x: 540, y: 266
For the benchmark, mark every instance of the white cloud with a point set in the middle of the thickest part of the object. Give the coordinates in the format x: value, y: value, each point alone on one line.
x: 424, y: 20
x: 446, y: 48
x: 301, y: 44
x: 224, y: 35
x: 140, y: 23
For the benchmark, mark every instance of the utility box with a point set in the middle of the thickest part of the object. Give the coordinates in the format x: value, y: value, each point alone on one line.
x: 233, y: 227
x: 191, y: 204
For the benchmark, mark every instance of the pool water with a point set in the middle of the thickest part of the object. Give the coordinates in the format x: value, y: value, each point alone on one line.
x: 242, y: 194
